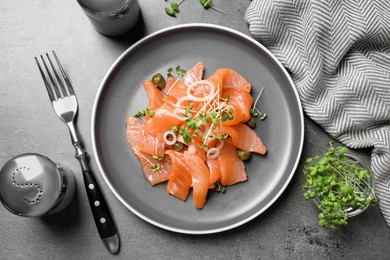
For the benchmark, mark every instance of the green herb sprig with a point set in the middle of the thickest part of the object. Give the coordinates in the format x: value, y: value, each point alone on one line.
x: 337, y: 182
x: 219, y: 188
x: 179, y: 71
x: 209, y: 4
x: 173, y: 8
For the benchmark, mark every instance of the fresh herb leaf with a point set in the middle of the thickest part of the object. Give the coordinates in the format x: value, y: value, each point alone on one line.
x: 209, y: 4
x: 206, y: 3
x: 156, y: 157
x: 263, y: 116
x: 170, y: 12
x: 173, y: 9
x: 219, y: 188
x: 140, y: 113
x: 174, y: 6
x: 180, y: 71
x: 155, y: 167
x: 150, y: 112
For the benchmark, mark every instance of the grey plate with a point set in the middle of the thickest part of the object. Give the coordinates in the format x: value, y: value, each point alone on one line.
x: 121, y: 94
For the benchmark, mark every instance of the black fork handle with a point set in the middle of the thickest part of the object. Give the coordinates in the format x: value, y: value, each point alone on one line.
x: 100, y: 211
x: 99, y: 208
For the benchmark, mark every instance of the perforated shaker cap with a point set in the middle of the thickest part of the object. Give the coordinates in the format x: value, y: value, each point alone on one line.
x: 31, y: 185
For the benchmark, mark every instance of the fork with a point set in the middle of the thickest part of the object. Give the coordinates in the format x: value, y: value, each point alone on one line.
x: 65, y: 105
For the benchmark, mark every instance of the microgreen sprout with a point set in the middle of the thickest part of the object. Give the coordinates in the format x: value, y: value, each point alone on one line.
x: 185, y: 134
x: 219, y: 188
x: 254, y: 111
x: 140, y: 113
x: 155, y: 167
x: 150, y: 112
x: 156, y: 157
x: 180, y: 71
x: 173, y: 8
x: 209, y: 4
x: 338, y: 183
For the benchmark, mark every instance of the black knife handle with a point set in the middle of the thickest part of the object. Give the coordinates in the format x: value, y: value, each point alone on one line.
x: 100, y: 211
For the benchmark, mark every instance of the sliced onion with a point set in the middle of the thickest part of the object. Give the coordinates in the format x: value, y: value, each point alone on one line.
x: 191, y: 149
x: 219, y: 146
x: 166, y: 135
x: 179, y: 114
x: 212, y: 153
x: 206, y: 128
x: 203, y: 82
x: 181, y: 100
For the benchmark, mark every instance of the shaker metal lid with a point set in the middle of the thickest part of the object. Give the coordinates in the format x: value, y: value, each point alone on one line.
x: 30, y: 184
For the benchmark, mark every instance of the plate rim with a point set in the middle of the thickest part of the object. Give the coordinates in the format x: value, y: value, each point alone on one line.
x: 135, y: 46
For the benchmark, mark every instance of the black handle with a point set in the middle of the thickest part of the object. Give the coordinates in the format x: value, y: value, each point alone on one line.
x: 100, y: 210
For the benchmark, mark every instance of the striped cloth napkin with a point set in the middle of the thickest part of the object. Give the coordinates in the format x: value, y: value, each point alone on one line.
x: 338, y: 53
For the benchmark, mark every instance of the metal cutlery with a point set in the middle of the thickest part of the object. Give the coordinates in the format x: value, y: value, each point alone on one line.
x: 65, y: 105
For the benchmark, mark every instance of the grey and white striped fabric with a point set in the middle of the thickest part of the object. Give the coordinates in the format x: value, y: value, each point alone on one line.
x: 338, y: 53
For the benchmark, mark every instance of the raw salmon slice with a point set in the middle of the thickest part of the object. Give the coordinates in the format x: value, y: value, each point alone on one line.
x: 200, y: 178
x: 134, y: 137
x: 175, y: 88
x: 231, y: 166
x: 155, y: 96
x: 232, y: 79
x: 162, y: 120
x: 194, y: 74
x: 178, y: 87
x: 179, y: 183
x: 215, y: 171
x: 151, y: 145
x: 245, y: 138
x: 241, y: 102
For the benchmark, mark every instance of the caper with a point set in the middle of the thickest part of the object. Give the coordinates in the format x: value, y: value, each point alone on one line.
x: 251, y: 123
x: 178, y: 147
x: 174, y: 129
x: 158, y: 80
x: 244, y: 155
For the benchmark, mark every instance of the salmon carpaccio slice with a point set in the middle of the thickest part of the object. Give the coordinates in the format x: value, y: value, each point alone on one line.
x: 177, y: 88
x: 245, y: 138
x: 231, y: 166
x: 179, y: 183
x: 194, y: 74
x: 232, y: 79
x: 134, y: 137
x: 162, y: 120
x: 200, y: 178
x: 241, y: 102
x: 150, y: 145
x: 155, y: 97
x: 215, y: 171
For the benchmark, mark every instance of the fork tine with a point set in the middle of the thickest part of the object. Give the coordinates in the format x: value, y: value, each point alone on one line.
x: 70, y: 88
x: 47, y: 85
x: 62, y: 88
x: 54, y: 84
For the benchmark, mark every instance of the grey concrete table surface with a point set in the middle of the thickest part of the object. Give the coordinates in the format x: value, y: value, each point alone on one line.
x: 287, y: 230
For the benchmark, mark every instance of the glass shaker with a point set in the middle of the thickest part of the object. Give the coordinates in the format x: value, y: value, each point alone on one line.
x: 111, y: 17
x: 32, y: 185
